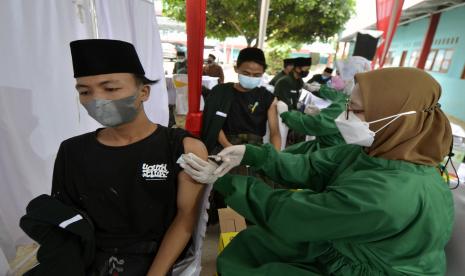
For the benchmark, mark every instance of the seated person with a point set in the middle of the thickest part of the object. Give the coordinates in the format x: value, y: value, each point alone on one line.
x: 288, y: 65
x: 124, y: 176
x: 288, y: 90
x: 322, y: 78
x: 237, y: 113
x: 212, y: 69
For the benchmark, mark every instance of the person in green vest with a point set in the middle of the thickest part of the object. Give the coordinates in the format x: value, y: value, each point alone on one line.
x: 288, y: 88
x: 375, y: 206
x: 288, y: 65
x: 238, y: 113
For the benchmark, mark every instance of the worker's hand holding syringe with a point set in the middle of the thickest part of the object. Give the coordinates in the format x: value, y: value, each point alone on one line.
x: 208, y: 172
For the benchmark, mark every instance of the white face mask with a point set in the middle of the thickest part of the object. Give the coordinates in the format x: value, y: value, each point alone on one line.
x: 249, y: 82
x: 357, y: 132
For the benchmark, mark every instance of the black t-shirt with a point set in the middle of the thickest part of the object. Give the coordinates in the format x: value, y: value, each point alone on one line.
x: 249, y: 111
x: 129, y: 192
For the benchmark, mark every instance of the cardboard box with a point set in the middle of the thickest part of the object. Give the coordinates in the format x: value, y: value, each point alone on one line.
x: 231, y: 223
x: 225, y: 239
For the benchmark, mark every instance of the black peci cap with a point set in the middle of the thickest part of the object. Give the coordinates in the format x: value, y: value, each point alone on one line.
x: 105, y: 56
x: 288, y: 61
x: 252, y: 54
x: 302, y: 62
x: 329, y: 70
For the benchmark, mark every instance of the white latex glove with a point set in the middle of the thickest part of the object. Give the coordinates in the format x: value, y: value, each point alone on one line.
x: 281, y: 107
x: 200, y: 170
x: 312, y: 87
x: 312, y: 110
x: 231, y: 157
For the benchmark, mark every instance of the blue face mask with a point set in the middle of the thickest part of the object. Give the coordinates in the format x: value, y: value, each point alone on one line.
x: 249, y: 82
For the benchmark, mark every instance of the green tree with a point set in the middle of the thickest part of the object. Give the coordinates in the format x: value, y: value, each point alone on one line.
x: 275, y: 53
x: 296, y: 21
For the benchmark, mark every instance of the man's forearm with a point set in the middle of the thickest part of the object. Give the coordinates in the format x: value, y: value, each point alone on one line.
x: 174, y: 242
x: 223, y: 140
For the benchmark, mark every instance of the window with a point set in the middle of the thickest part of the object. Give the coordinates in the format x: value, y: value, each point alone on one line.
x: 414, y: 57
x: 430, y: 60
x: 445, y: 64
x: 388, y: 60
x: 396, y: 60
x: 438, y: 60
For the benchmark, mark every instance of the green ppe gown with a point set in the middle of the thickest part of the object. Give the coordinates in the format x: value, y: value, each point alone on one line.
x: 322, y: 125
x: 355, y: 215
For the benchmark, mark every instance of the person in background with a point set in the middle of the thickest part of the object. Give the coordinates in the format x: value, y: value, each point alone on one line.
x: 288, y: 65
x: 212, y: 69
x: 124, y: 176
x: 180, y: 67
x: 377, y: 205
x: 288, y: 90
x: 289, y: 87
x: 238, y: 113
x: 171, y: 89
x: 322, y: 78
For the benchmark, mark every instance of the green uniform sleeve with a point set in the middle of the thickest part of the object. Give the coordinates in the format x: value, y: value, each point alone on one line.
x: 294, y: 170
x: 317, y: 125
x: 346, y: 212
x: 331, y: 94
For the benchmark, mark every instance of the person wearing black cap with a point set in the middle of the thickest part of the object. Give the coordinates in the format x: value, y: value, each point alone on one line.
x: 125, y: 175
x: 212, y: 69
x: 180, y: 66
x: 288, y: 88
x: 322, y: 78
x: 237, y: 113
x: 288, y: 65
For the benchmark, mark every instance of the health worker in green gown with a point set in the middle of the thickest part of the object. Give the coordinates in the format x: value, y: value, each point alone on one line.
x: 375, y: 206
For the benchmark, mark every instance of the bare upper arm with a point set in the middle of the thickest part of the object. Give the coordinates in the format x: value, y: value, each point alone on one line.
x: 189, y: 191
x: 273, y: 116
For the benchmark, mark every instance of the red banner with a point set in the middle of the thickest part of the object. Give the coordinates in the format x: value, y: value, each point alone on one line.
x: 388, y: 14
x: 195, y: 28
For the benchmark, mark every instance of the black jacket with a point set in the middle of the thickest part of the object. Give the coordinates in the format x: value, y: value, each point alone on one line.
x: 66, y: 237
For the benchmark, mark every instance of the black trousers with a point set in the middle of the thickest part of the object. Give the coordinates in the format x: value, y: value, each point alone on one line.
x: 134, y: 260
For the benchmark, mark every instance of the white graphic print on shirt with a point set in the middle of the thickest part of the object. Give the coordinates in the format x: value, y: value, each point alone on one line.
x: 155, y: 172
